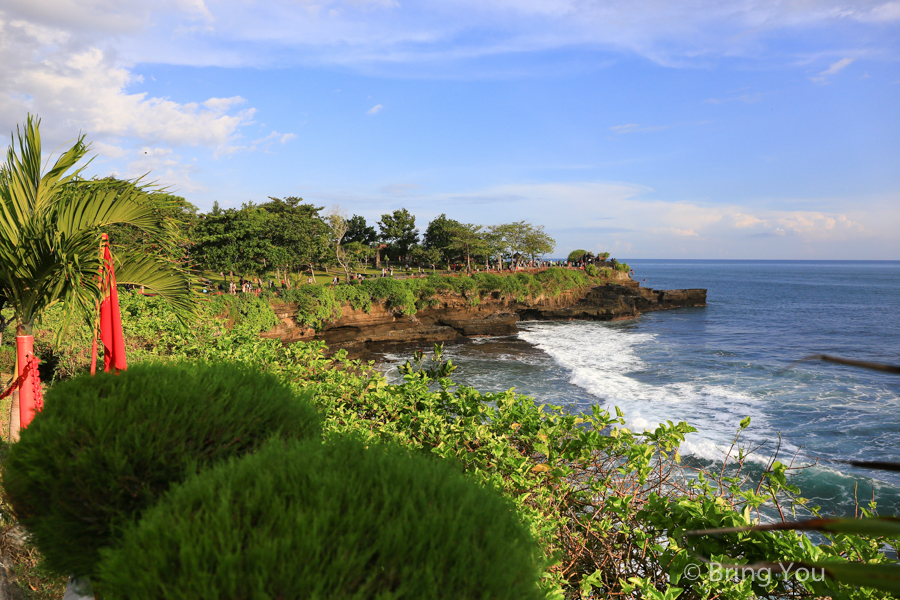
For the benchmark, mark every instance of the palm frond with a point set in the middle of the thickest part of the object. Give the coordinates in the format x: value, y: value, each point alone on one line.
x: 169, y: 281
x: 50, y: 224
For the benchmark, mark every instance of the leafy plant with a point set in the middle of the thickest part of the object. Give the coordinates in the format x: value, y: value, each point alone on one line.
x: 106, y: 447
x: 50, y: 224
x: 435, y: 369
x: 345, y: 519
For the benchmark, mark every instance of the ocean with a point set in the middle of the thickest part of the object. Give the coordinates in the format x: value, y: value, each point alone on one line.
x: 715, y: 365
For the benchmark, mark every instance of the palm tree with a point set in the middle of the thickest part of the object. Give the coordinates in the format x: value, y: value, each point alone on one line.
x: 50, y: 227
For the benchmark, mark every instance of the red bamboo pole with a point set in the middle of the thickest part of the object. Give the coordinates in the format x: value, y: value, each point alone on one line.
x: 24, y: 352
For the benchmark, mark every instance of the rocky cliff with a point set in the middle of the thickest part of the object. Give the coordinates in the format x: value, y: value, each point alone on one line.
x: 456, y: 318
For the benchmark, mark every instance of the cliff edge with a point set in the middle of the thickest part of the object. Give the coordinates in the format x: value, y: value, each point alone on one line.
x: 454, y: 317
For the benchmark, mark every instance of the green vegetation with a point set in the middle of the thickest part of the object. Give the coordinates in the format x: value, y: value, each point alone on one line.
x: 286, y: 236
x: 576, y: 255
x: 50, y: 226
x: 398, y: 230
x: 609, y: 507
x: 106, y: 447
x: 317, y: 306
x: 345, y: 519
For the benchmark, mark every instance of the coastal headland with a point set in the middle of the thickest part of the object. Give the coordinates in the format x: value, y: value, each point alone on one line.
x: 454, y: 318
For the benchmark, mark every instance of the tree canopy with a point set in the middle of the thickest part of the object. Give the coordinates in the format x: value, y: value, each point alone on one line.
x: 359, y: 231
x: 398, y: 230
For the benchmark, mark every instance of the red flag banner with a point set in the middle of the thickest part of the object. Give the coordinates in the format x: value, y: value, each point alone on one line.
x: 110, y: 319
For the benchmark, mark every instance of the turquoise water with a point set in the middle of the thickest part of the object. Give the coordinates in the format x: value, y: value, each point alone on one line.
x: 715, y: 365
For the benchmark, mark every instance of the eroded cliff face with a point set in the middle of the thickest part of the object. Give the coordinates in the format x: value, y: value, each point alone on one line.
x: 456, y: 318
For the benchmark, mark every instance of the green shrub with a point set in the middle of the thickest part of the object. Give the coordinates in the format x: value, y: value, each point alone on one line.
x: 396, y: 293
x: 622, y: 267
x: 355, y: 295
x: 316, y: 305
x: 576, y: 255
x: 591, y: 270
x: 336, y: 520
x: 246, y: 313
x: 106, y: 447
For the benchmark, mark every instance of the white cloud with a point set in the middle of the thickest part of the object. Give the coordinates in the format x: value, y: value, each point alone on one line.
x: 374, y: 110
x: 834, y: 68
x: 626, y: 219
x: 386, y: 32
x: 683, y: 232
x: 87, y: 90
x: 281, y: 138
x: 164, y: 166
x: 635, y: 128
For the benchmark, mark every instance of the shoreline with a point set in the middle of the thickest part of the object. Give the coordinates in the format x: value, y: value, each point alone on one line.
x: 454, y: 318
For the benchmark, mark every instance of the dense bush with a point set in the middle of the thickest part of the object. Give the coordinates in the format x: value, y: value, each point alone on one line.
x: 339, y: 520
x: 106, y: 447
x: 316, y: 305
x: 576, y: 255
x: 591, y: 270
x: 396, y: 294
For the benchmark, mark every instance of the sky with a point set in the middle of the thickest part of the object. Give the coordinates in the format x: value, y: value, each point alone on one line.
x: 745, y: 129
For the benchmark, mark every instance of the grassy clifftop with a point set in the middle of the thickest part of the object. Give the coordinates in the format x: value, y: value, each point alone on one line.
x: 319, y: 305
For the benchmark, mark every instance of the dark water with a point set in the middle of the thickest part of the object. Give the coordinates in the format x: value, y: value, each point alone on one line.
x: 713, y: 366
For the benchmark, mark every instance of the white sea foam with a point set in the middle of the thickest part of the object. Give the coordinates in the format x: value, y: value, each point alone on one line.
x: 605, y: 360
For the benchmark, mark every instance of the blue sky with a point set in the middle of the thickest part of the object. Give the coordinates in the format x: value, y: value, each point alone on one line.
x: 647, y: 128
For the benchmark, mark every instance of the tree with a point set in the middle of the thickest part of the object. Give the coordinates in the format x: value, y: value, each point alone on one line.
x: 576, y: 255
x: 399, y: 230
x: 439, y: 234
x: 427, y: 256
x: 338, y: 224
x: 493, y: 237
x: 178, y: 217
x: 299, y: 233
x: 468, y: 241
x: 234, y: 240
x: 537, y: 242
x: 50, y: 226
x: 359, y: 231
x: 359, y: 252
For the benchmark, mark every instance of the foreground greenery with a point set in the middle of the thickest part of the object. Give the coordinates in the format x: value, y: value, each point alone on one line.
x: 69, y: 463
x: 609, y: 507
x: 343, y: 519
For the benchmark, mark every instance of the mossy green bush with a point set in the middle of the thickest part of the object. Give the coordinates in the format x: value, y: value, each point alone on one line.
x: 355, y: 295
x: 397, y: 294
x: 246, y: 312
x: 316, y: 305
x: 336, y: 520
x: 591, y: 270
x: 106, y: 447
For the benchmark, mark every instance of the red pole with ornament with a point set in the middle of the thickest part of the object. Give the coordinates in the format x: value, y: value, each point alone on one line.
x: 28, y: 381
x: 110, y: 320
